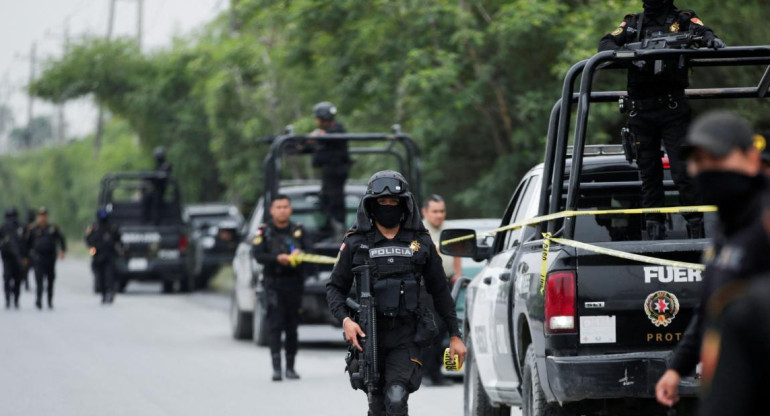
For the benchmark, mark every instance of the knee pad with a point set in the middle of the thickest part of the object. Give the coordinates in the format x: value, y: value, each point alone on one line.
x: 396, y: 398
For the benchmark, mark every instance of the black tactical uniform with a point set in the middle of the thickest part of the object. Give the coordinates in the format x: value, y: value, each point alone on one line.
x: 153, y: 203
x: 402, y: 265
x: 26, y: 266
x: 739, y: 341
x: 333, y: 159
x: 741, y: 251
x: 104, y: 240
x: 657, y: 107
x: 12, y: 249
x: 284, y: 286
x: 42, y: 244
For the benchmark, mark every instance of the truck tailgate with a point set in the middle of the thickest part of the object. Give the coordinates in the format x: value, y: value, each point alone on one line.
x: 623, y: 305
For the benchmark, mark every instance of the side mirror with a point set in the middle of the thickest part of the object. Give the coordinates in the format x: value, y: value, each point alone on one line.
x: 458, y: 243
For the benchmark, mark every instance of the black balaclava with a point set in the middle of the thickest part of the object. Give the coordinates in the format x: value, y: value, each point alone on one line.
x: 388, y: 216
x: 729, y: 191
x: 654, y: 8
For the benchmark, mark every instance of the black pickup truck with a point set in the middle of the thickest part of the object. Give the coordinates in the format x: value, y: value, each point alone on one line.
x: 588, y: 332
x: 154, y: 245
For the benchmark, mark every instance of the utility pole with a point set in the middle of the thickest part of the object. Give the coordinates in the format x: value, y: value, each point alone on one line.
x: 61, y: 122
x: 100, y: 115
x: 31, y: 102
x: 139, y: 22
x: 235, y: 24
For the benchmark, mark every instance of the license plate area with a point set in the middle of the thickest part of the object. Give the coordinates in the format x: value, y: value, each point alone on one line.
x: 137, y: 264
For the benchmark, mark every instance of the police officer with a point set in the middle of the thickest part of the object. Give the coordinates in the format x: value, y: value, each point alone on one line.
x: 388, y: 218
x: 724, y: 160
x: 31, y: 216
x: 657, y: 108
x: 284, y: 282
x: 103, y: 239
x: 43, y: 239
x: 12, y: 250
x: 333, y: 159
x: 154, y: 199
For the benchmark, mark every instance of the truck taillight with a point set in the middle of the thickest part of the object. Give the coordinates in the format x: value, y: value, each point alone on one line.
x: 182, y: 243
x: 560, y: 302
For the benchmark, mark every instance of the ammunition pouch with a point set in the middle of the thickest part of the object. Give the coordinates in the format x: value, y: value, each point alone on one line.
x: 396, y: 297
x: 353, y: 368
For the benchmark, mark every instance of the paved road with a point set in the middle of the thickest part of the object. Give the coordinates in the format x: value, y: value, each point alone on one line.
x: 165, y: 355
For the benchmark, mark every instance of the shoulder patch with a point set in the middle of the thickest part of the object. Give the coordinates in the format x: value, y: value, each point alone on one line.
x: 257, y: 240
x: 696, y: 21
x: 617, y: 32
x: 342, y: 247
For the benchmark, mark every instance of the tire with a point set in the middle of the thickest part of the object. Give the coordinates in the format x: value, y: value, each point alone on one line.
x: 240, y: 322
x: 534, y: 402
x: 168, y: 287
x: 187, y: 283
x: 475, y: 399
x: 259, y: 329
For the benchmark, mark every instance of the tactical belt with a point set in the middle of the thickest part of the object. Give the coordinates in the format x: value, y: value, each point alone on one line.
x: 633, y: 105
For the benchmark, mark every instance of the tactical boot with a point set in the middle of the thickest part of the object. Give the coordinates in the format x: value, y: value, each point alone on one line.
x: 39, y: 304
x: 277, y: 367
x: 695, y: 228
x: 656, y: 230
x: 290, y: 373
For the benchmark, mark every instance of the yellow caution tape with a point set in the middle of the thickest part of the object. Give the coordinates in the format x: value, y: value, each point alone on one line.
x: 299, y: 258
x: 544, y: 263
x: 567, y: 214
x: 451, y: 363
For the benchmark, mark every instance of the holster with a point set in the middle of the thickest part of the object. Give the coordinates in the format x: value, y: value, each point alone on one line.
x: 630, y: 146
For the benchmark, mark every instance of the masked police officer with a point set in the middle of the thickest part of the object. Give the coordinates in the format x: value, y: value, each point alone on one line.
x: 43, y: 240
x: 153, y: 199
x: 388, y: 218
x: 333, y: 159
x: 12, y: 250
x: 657, y: 108
x: 284, y: 282
x: 103, y: 239
x: 31, y: 217
x: 725, y: 162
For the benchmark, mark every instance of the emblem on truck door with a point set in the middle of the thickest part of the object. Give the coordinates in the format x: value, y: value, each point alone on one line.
x: 661, y: 307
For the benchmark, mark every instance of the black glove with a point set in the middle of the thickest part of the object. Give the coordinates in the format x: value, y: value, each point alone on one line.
x: 715, y: 43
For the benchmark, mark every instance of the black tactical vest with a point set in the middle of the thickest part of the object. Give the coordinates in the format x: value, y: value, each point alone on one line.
x: 397, y: 273
x: 282, y: 243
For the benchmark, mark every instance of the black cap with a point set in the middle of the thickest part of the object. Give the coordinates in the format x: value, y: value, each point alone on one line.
x: 325, y: 111
x: 42, y: 211
x: 719, y: 133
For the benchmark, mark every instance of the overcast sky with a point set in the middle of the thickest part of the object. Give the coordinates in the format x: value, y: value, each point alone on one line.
x: 23, y: 22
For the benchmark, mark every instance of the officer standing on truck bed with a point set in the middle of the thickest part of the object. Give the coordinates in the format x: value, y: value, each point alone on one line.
x: 284, y: 282
x: 103, y: 239
x: 42, y: 241
x: 333, y: 159
x: 724, y: 160
x: 389, y: 235
x: 12, y: 250
x: 657, y: 107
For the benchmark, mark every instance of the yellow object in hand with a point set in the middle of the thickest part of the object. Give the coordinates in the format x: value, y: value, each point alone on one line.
x: 450, y: 364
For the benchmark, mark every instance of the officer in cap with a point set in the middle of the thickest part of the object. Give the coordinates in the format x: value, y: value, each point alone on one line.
x: 724, y: 160
x: 12, y: 251
x: 332, y: 157
x: 657, y: 108
x: 43, y: 241
x: 103, y: 239
x: 284, y: 281
x: 388, y: 218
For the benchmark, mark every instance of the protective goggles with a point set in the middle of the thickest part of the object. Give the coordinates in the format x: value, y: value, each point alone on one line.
x: 395, y: 186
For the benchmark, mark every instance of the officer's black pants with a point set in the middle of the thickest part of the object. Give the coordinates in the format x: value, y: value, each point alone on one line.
x: 433, y: 354
x: 283, y: 306
x: 11, y: 279
x: 104, y: 270
x: 400, y: 366
x: 45, y: 272
x: 332, y: 197
x: 668, y: 126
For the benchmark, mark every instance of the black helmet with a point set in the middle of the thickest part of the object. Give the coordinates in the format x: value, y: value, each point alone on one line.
x: 325, y: 111
x: 102, y: 214
x: 11, y: 212
x: 159, y: 154
x: 386, y: 182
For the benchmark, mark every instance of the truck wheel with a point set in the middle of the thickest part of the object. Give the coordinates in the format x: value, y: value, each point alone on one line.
x: 168, y: 286
x: 240, y: 322
x: 534, y: 402
x: 187, y: 283
x: 259, y: 328
x: 475, y: 399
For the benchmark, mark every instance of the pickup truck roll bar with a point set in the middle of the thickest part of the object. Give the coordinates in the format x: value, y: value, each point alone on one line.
x: 556, y: 148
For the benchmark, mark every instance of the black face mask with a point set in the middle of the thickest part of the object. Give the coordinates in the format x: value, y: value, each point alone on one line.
x: 727, y: 190
x: 387, y: 216
x: 655, y: 7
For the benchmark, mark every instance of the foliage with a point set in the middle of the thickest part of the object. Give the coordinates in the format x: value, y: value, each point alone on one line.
x: 473, y: 80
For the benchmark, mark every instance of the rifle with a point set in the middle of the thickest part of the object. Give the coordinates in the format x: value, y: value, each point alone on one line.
x: 364, y: 373
x: 684, y: 40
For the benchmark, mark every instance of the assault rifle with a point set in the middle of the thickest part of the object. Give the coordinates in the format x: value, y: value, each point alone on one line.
x: 363, y: 368
x: 684, y: 40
